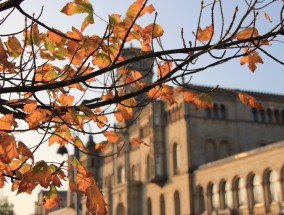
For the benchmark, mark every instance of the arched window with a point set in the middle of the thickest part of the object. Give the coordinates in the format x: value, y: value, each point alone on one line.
x: 177, y: 203
x: 262, y: 116
x: 215, y: 197
x: 120, y: 174
x: 225, y: 195
x: 120, y: 209
x: 276, y: 116
x: 239, y: 190
x: 222, y: 188
x: 257, y: 189
x: 254, y: 114
x: 210, y: 197
x: 224, y: 149
x: 282, y: 117
x: 176, y: 158
x: 271, y: 186
x: 210, y: 151
x: 162, y: 205
x: 222, y: 111
x: 269, y: 117
x: 216, y: 114
x: 254, y: 190
x: 199, y: 200
x: 149, y: 206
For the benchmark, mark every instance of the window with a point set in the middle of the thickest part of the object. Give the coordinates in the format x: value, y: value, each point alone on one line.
x: 177, y: 203
x: 210, y: 197
x: 254, y: 114
x: 271, y: 186
x: 208, y: 113
x: 149, y: 206
x: 269, y: 116
x: 149, y: 169
x: 215, y: 109
x: 120, y: 174
x: 225, y: 149
x: 225, y: 195
x: 282, y: 117
x: 199, y: 200
x: 176, y: 157
x: 162, y: 205
x: 222, y: 111
x: 262, y: 116
x: 276, y: 116
x: 120, y: 209
x: 215, y: 197
x: 254, y: 190
x: 210, y: 151
x: 239, y: 192
x: 257, y: 189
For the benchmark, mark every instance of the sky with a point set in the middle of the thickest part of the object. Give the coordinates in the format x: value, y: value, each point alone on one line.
x: 173, y: 16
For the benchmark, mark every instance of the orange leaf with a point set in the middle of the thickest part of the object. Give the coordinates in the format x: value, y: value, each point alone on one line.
x: 65, y: 100
x: 266, y: 16
x: 7, y: 122
x: 164, y: 68
x: 101, y: 146
x: 111, y: 136
x: 39, y: 174
x: 247, y: 33
x: 154, y: 31
x: 13, y: 47
x: 30, y: 107
x: 95, y: 200
x: 201, y: 101
x: 135, y: 7
x: 72, y: 185
x: 25, y: 151
x: 138, y: 141
x: 8, y: 149
x: 205, y: 34
x: 249, y: 100
x: 80, y: 6
x: 51, y: 198
x: 251, y: 59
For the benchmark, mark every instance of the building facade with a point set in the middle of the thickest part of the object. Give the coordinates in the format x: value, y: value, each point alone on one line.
x: 191, y: 154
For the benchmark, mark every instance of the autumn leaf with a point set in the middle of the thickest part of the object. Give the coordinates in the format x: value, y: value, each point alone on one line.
x: 251, y: 58
x: 111, y: 136
x: 266, y: 16
x: 204, y: 34
x: 80, y: 6
x: 95, y: 200
x: 7, y: 122
x: 164, y: 68
x: 40, y: 174
x: 65, y: 100
x: 154, y: 30
x: 101, y: 146
x: 51, y: 199
x: 33, y: 36
x: 8, y: 148
x: 201, y: 101
x: 247, y: 33
x: 138, y: 141
x: 249, y: 100
x: 72, y: 185
x: 14, y: 48
x: 25, y: 151
x: 136, y: 6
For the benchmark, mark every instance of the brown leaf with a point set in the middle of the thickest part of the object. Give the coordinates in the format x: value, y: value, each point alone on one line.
x: 205, y: 34
x: 251, y: 59
x: 95, y: 200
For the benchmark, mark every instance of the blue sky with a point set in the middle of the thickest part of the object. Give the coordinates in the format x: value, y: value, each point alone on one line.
x: 173, y: 16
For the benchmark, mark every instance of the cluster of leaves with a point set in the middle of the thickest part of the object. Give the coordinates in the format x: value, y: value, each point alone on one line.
x: 48, y: 79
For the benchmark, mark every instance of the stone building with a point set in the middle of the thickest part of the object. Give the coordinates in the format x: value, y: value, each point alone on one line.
x: 194, y: 156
